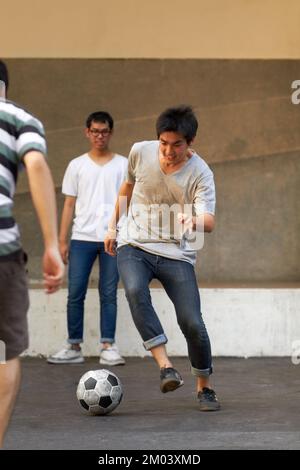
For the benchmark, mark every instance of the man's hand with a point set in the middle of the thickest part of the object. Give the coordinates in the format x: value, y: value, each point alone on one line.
x: 185, y: 221
x: 64, y: 251
x: 202, y: 223
x: 53, y: 270
x: 110, y: 242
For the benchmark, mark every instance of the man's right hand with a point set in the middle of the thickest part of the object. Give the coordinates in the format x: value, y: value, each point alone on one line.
x: 64, y: 251
x: 110, y: 242
x: 53, y: 269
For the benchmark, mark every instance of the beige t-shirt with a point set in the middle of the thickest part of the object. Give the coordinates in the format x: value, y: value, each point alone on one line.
x: 157, y: 199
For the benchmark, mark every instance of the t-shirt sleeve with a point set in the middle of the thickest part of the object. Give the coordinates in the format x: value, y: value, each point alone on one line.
x: 132, y: 160
x: 30, y: 136
x: 205, y: 194
x: 70, y: 181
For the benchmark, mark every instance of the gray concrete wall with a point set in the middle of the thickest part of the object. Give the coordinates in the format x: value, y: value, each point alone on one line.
x: 249, y: 134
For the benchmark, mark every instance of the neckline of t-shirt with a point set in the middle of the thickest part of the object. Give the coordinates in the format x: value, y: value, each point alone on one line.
x: 104, y: 164
x: 177, y: 171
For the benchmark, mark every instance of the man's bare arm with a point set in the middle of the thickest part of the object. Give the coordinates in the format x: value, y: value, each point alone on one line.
x: 201, y: 223
x: 122, y: 204
x: 43, y: 197
x: 66, y: 219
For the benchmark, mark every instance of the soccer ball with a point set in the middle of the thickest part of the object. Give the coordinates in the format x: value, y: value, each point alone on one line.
x: 99, y: 392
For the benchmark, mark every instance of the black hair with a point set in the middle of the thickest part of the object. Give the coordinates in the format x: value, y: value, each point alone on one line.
x: 4, y: 73
x: 179, y: 119
x: 100, y: 116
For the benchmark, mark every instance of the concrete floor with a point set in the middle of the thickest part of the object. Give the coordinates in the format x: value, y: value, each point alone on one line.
x: 260, y: 408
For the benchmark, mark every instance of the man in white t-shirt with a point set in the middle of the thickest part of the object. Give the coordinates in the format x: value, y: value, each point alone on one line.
x: 91, y: 184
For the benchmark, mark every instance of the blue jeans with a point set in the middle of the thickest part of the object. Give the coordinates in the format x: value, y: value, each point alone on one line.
x: 137, y: 268
x: 82, y: 256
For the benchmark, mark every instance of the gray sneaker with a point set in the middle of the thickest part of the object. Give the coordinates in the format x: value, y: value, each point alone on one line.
x: 208, y: 400
x: 66, y: 355
x: 170, y: 379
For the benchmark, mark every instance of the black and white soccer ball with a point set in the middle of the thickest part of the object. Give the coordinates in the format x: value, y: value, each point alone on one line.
x: 99, y: 392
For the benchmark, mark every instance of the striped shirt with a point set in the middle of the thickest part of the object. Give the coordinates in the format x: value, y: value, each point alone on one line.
x: 20, y: 133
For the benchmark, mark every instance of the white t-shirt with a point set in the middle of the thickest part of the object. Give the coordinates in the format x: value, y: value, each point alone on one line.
x: 96, y: 188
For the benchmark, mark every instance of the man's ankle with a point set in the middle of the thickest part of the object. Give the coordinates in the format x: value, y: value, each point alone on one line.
x: 203, y: 382
x: 76, y: 347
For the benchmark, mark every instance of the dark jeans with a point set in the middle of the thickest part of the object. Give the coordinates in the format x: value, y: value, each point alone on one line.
x: 81, y: 259
x: 137, y: 268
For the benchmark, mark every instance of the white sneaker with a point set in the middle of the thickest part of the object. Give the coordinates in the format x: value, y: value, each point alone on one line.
x: 66, y: 355
x: 111, y: 356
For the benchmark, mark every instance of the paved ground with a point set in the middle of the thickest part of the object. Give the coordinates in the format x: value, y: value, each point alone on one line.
x: 260, y: 408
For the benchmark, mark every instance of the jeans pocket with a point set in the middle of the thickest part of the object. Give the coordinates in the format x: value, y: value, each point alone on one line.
x: 128, y: 252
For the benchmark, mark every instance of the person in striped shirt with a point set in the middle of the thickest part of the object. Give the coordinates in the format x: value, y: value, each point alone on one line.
x: 22, y: 142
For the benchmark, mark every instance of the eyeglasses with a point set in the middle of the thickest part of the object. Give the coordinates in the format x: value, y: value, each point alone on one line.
x: 102, y: 132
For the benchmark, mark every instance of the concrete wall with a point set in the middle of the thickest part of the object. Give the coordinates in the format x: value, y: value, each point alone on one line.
x: 234, y: 61
x: 249, y: 134
x: 151, y: 29
x: 240, y: 322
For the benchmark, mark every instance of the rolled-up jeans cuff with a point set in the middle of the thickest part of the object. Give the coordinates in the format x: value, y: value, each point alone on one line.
x: 156, y: 341
x: 105, y: 339
x: 75, y: 341
x: 201, y: 372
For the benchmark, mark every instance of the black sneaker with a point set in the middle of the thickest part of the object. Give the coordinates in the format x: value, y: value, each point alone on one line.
x: 208, y: 400
x: 170, y: 379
